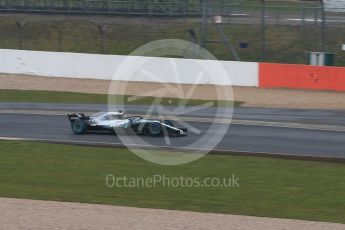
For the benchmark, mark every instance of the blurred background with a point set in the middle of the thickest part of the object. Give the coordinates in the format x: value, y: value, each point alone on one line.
x: 246, y: 30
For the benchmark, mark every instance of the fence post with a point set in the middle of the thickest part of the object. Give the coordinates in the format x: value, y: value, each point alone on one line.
x: 60, y: 40
x: 185, y: 8
x: 278, y: 17
x: 316, y: 15
x: 20, y: 24
x: 130, y: 7
x: 303, y: 16
x: 66, y: 5
x: 263, y: 30
x: 101, y: 29
x: 150, y: 7
x: 204, y: 23
x: 227, y: 42
x: 323, y: 26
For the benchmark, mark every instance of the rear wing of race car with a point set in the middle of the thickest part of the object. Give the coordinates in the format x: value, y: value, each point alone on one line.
x: 77, y: 116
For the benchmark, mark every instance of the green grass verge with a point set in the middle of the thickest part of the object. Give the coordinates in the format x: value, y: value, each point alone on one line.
x: 268, y: 187
x: 70, y: 97
x: 284, y: 43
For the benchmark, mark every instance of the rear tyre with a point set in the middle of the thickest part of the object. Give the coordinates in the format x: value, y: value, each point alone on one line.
x: 154, y: 129
x: 78, y: 127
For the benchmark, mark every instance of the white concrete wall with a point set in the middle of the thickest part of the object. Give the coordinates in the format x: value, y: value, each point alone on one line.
x: 148, y: 69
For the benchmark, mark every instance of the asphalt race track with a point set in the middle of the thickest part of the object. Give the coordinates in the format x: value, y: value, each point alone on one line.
x: 275, y: 131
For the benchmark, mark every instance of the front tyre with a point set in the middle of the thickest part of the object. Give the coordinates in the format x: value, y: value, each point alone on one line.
x: 154, y: 129
x: 78, y: 127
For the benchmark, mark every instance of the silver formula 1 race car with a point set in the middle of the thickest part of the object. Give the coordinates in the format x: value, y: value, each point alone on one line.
x: 116, y: 121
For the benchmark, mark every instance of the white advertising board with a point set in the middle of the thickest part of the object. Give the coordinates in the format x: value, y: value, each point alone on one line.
x: 334, y: 5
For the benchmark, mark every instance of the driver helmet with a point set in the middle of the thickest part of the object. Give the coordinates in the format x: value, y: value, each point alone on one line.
x: 121, y: 113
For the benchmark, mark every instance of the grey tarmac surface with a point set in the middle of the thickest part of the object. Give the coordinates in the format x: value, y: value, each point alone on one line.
x: 306, y: 116
x: 249, y: 137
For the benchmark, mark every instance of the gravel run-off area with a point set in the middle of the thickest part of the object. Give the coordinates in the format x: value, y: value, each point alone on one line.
x: 253, y: 97
x: 35, y: 215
